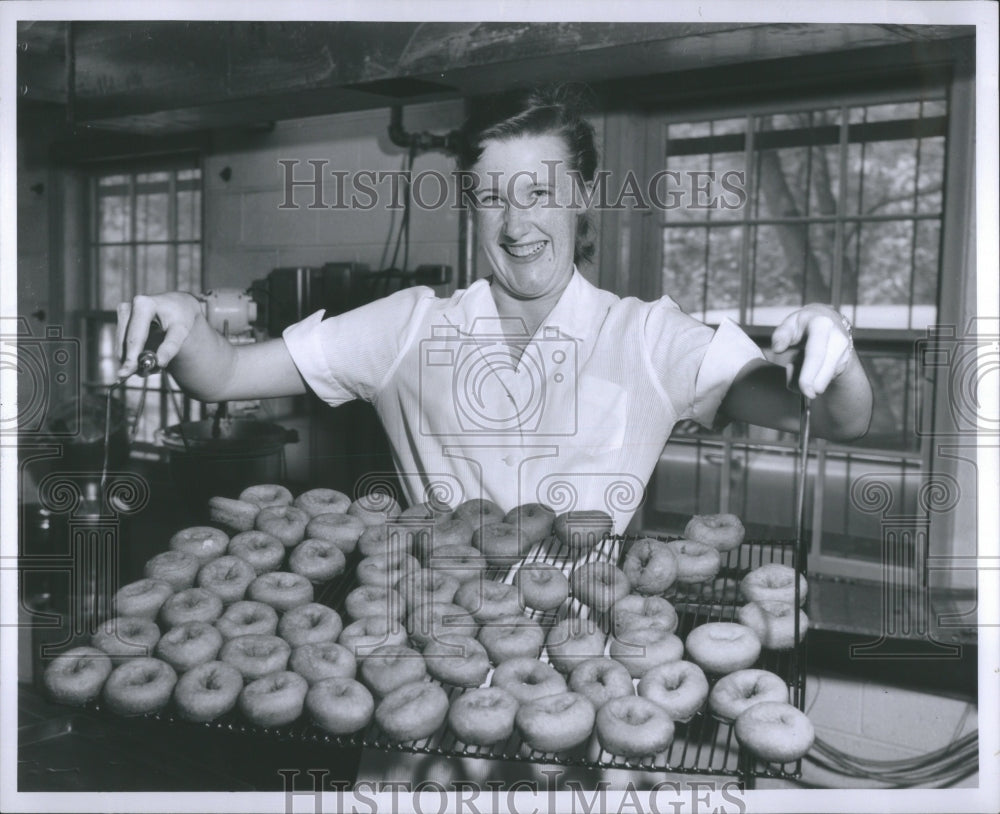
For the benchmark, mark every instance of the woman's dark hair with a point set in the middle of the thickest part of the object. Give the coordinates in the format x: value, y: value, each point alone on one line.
x: 550, y: 110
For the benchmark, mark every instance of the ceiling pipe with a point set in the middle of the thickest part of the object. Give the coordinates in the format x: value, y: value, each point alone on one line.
x: 419, y: 142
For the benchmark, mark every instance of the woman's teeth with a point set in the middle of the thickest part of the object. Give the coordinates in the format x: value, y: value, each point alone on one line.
x: 525, y: 250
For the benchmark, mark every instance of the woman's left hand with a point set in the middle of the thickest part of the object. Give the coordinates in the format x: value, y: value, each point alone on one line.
x: 826, y: 343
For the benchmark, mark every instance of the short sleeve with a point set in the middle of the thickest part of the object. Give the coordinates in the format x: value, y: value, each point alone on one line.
x: 350, y: 355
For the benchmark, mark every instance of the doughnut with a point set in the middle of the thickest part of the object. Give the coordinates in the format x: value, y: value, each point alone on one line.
x: 642, y: 648
x: 374, y: 600
x: 275, y: 699
x: 722, y: 647
x: 265, y: 495
x: 600, y: 680
x: 77, y: 675
x: 322, y: 501
x: 598, y: 584
x: 634, y: 612
x: 527, y: 679
x: 282, y: 590
x: 483, y: 716
x: 571, y: 641
x: 480, y: 513
x: 696, y: 562
x: 287, y: 523
x: 773, y: 622
x: 384, y: 538
x: 632, y: 726
x: 343, y: 530
x: 680, y: 687
x: 509, y: 637
x: 364, y: 635
x: 374, y: 508
x: 235, y: 514
x: 541, y: 586
x: 431, y: 620
x: 742, y: 689
x: 263, y: 551
x: 188, y: 645
x: 144, y: 597
x: 256, y: 655
x: 139, y: 686
x: 204, y: 543
x: 227, y: 577
x: 488, y: 599
x: 385, y: 570
x: 412, y: 711
x: 773, y: 581
x: 207, y: 691
x: 425, y: 511
x: 463, y: 562
x: 451, y: 531
x: 533, y: 520
x: 315, y: 662
x: 191, y: 605
x: 775, y: 731
x: 651, y: 567
x: 312, y: 623
x: 457, y: 660
x: 556, y: 722
x: 317, y: 560
x: 425, y: 585
x: 176, y: 568
x: 126, y: 637
x: 582, y: 530
x: 501, y: 543
x: 247, y: 617
x: 722, y: 531
x: 340, y: 705
x: 391, y: 666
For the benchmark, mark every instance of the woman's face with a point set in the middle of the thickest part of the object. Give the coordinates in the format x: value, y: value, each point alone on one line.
x: 527, y: 211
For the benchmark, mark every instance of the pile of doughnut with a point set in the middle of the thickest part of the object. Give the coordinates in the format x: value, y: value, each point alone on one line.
x: 450, y: 621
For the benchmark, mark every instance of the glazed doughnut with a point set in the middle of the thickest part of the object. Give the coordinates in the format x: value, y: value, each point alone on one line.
x: 311, y: 623
x: 374, y: 508
x: 541, y: 586
x: 207, y: 691
x: 384, y: 538
x: 600, y: 680
x: 286, y: 523
x: 374, y: 600
x: 412, y: 711
x: 480, y: 513
x: 322, y: 501
x: 227, y: 577
x: 316, y: 662
x: 457, y: 660
x: 738, y: 691
x: 139, y: 686
x: 126, y: 637
x: 634, y: 612
x: 557, y: 722
x: 265, y: 495
x: 488, y: 599
x: 483, y: 716
x: 363, y: 636
x: 696, y: 562
x: 651, y: 567
x: 144, y: 597
x: 680, y: 687
x: 247, y: 617
x: 317, y: 560
x: 722, y: 531
x: 188, y: 645
x: 509, y: 637
x: 263, y: 551
x: 177, y: 568
x: 191, y: 605
x: 632, y: 726
x: 599, y: 584
x: 533, y: 520
x: 426, y: 585
x: 385, y: 570
x: 256, y: 655
x: 582, y: 530
x: 773, y: 622
x: 431, y: 620
x: 722, y: 647
x: 643, y: 648
x: 773, y: 581
x: 282, y: 590
x: 391, y: 666
x: 340, y: 705
x: 343, y: 530
x: 77, y: 676
x: 527, y: 679
x: 501, y: 543
x: 775, y: 731
x: 275, y: 699
x: 571, y: 641
x: 463, y: 562
x: 235, y: 514
x: 448, y: 531
x: 204, y: 543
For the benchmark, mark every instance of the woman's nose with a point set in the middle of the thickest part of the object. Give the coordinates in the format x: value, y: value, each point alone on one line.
x: 516, y: 221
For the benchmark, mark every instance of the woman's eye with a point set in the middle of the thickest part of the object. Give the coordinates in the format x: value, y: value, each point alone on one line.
x: 489, y: 201
x: 540, y: 194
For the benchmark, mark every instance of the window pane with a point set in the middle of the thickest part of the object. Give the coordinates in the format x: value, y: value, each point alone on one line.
x: 777, y: 266
x: 931, y: 175
x: 188, y: 215
x: 889, y: 172
x: 151, y: 216
x: 676, y: 191
x: 884, y: 275
x: 153, y: 274
x: 114, y: 275
x: 896, y: 396
x: 113, y: 218
x: 926, y: 262
x: 724, y: 273
x: 781, y: 182
x: 684, y: 266
x: 189, y: 267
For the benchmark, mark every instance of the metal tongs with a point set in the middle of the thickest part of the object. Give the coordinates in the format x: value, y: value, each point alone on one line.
x: 800, y: 552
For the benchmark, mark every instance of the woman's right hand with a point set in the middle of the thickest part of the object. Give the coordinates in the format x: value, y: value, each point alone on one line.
x: 176, y: 312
